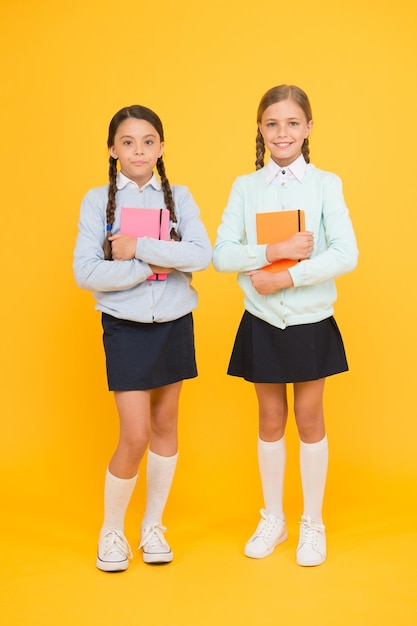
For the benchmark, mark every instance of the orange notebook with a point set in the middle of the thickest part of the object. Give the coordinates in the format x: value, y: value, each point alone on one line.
x: 278, y: 226
x: 146, y: 223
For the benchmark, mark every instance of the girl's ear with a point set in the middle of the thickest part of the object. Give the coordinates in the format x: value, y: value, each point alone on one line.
x: 309, y: 127
x: 112, y: 152
x: 162, y: 149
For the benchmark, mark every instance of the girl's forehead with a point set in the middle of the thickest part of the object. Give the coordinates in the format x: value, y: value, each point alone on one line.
x: 133, y: 126
x: 284, y: 108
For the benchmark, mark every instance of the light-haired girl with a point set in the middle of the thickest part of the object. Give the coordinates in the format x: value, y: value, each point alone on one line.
x: 147, y: 324
x: 288, y: 333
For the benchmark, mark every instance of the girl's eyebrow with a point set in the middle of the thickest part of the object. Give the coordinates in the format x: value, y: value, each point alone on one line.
x: 274, y: 119
x: 131, y: 137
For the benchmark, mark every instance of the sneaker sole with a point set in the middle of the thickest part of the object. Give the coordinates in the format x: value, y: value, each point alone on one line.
x: 157, y: 559
x: 112, y: 566
x: 311, y: 563
x: 280, y: 539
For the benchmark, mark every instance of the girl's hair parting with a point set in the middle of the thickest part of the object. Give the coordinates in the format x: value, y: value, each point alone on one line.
x: 277, y: 94
x: 141, y: 113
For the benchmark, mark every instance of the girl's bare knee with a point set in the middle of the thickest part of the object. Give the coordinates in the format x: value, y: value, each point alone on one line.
x: 133, y: 448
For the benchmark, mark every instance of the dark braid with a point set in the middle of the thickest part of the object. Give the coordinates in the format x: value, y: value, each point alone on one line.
x: 169, y: 200
x: 111, y: 207
x: 260, y: 150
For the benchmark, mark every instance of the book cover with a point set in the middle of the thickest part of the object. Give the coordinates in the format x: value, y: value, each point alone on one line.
x: 138, y: 222
x: 278, y: 226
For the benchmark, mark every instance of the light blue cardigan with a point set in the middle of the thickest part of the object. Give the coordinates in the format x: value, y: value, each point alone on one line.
x: 335, y: 252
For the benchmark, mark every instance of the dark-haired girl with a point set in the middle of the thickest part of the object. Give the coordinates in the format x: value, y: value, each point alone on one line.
x: 147, y: 324
x: 288, y: 333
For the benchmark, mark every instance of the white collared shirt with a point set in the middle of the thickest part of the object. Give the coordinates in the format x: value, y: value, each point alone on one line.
x: 123, y: 181
x: 296, y: 169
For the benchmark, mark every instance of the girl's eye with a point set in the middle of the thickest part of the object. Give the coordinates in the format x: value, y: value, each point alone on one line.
x: 293, y: 123
x: 127, y: 143
x: 270, y: 124
x: 149, y: 142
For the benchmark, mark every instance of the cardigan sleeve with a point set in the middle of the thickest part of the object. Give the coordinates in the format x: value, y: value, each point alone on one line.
x: 336, y: 251
x: 232, y: 252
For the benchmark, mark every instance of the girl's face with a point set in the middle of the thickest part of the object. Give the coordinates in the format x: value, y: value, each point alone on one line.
x: 284, y: 128
x: 138, y: 146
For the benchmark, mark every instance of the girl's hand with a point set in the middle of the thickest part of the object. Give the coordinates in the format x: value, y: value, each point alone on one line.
x: 157, y: 269
x: 123, y: 247
x: 298, y: 246
x: 266, y: 283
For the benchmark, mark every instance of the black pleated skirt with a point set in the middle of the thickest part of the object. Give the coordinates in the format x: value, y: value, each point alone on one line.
x: 147, y: 356
x: 263, y: 353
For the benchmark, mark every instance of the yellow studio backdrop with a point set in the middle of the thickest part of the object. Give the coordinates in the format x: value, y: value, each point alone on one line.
x: 203, y: 67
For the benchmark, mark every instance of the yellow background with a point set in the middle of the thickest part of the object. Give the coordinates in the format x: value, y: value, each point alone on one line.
x: 66, y: 68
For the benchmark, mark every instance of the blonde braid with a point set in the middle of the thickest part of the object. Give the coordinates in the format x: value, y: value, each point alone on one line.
x: 306, y: 150
x: 260, y: 150
x: 111, y: 207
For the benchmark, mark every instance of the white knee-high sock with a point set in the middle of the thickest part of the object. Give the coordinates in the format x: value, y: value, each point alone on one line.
x: 314, y: 459
x: 117, y: 494
x: 271, y: 459
x: 159, y: 475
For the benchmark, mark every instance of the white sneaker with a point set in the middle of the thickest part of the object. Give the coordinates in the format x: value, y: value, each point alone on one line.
x: 271, y: 531
x: 154, y: 546
x: 113, y: 551
x: 311, y: 548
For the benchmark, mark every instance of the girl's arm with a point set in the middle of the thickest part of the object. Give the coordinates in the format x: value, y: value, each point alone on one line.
x: 231, y: 251
x: 335, y: 251
x: 91, y: 271
x: 193, y: 252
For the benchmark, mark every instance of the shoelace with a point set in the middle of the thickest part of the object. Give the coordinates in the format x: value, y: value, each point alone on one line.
x: 267, y: 525
x: 115, y: 541
x: 153, y: 537
x: 310, y: 531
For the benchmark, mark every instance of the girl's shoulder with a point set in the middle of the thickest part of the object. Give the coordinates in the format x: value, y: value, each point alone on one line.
x: 97, y: 193
x: 180, y: 190
x: 181, y: 195
x: 251, y: 178
x: 323, y: 175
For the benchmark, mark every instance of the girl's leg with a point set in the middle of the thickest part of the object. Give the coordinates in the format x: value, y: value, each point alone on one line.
x: 161, y: 465
x: 134, y: 415
x: 273, y: 410
x: 309, y: 415
x: 308, y: 408
x: 134, y: 411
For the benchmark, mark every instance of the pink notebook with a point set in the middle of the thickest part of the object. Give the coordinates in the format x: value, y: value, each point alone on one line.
x: 146, y: 223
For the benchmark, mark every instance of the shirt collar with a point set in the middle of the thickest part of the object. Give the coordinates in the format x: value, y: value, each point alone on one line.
x: 296, y: 169
x: 123, y: 181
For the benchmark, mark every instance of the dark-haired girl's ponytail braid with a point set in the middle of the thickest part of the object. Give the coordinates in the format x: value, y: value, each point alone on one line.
x: 111, y: 207
x: 260, y: 150
x: 169, y: 200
